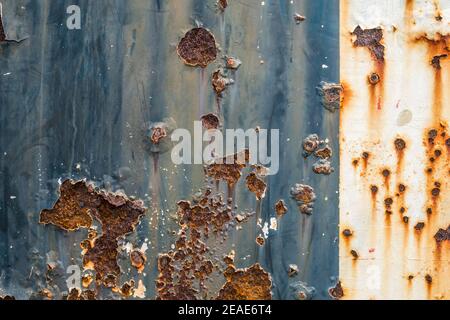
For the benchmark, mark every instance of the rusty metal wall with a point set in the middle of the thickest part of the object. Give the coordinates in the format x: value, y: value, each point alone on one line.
x: 394, y: 140
x: 73, y: 103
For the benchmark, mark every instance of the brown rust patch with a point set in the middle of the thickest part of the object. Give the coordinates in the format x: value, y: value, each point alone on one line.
x: 324, y: 153
x: 260, y: 241
x: 371, y: 39
x: 419, y: 226
x: 280, y: 208
x: 323, y: 167
x: 222, y: 5
x: 157, y: 134
x: 305, y: 197
x: 210, y: 121
x: 332, y: 95
x: 138, y: 259
x: 298, y: 18
x: 442, y: 235
x: 337, y: 292
x: 78, y: 205
x: 247, y: 284
x: 310, y: 144
x: 220, y: 82
x: 256, y: 185
x: 198, y: 48
x: 228, y: 169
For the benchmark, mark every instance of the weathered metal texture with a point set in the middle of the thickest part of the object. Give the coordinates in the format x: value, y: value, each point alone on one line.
x: 394, y: 186
x: 73, y: 105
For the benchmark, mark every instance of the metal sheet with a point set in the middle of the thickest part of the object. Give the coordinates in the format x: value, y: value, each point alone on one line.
x: 398, y: 257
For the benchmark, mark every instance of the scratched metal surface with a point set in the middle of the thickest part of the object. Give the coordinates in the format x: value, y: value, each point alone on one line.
x: 72, y: 104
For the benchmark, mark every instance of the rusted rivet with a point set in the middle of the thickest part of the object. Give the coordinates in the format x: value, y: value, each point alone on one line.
x: 419, y: 226
x: 400, y: 144
x: 406, y: 219
x: 374, y: 189
x: 430, y: 170
x: 437, y: 153
x: 435, y: 192
x: 386, y: 173
x: 354, y: 253
x: 447, y: 142
x: 401, y: 188
x: 365, y: 155
x: 432, y: 134
x: 355, y: 162
x: 374, y: 78
x: 410, y: 277
x: 428, y: 278
x: 347, y: 233
x: 402, y: 210
x: 388, y: 202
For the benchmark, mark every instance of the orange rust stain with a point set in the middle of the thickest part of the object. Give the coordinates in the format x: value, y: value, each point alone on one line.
x: 347, y: 93
x: 409, y: 9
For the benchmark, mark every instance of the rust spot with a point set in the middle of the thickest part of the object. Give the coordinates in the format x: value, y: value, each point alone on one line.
x: 310, y: 144
x: 436, y: 61
x: 198, y: 48
x: 127, y: 289
x: 355, y: 163
x: 419, y: 226
x: 354, y: 254
x: 229, y: 168
x: 281, y: 208
x: 324, y: 153
x: 210, y: 121
x: 222, y: 5
x: 293, y: 270
x: 157, y: 134
x: 371, y: 39
x: 220, y: 82
x: 305, y: 197
x: 374, y: 189
x: 79, y: 203
x: 298, y: 18
x: 76, y: 294
x: 428, y: 278
x: 400, y: 144
x: 247, y: 284
x: 323, y: 167
x: 442, y: 235
x: 260, y: 241
x: 337, y: 292
x: 138, y: 260
x: 256, y: 185
x: 232, y: 63
x: 332, y: 95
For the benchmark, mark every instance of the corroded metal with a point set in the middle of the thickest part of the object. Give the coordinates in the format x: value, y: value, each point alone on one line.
x: 394, y: 189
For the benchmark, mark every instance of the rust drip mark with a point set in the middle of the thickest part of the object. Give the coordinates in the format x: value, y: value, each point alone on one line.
x: 371, y: 39
x: 386, y: 173
x: 79, y: 203
x: 305, y: 197
x: 337, y: 292
x: 229, y: 169
x: 246, y: 284
x: 256, y: 185
x: 409, y: 12
x: 280, y: 208
x: 365, y: 158
x: 400, y: 146
x: 198, y: 48
x: 332, y: 95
